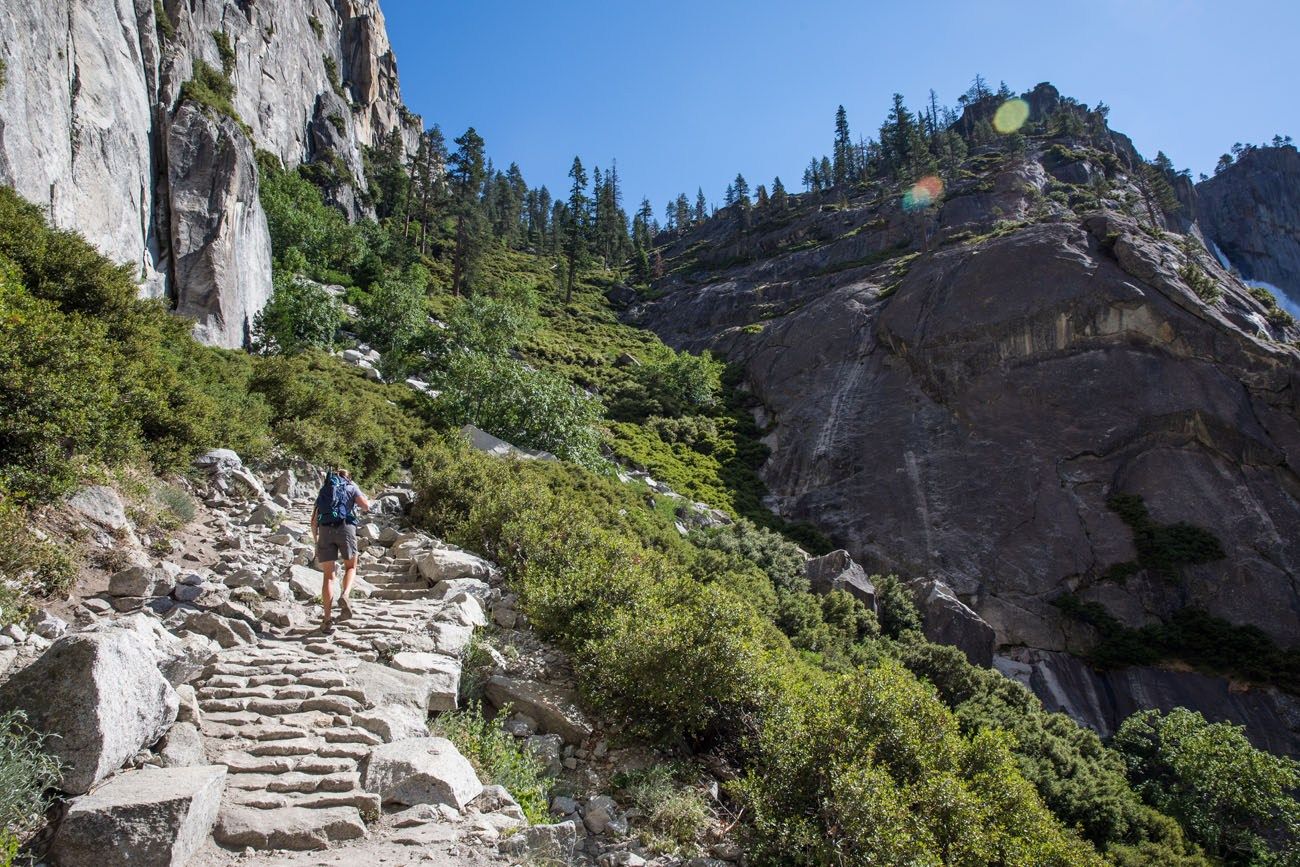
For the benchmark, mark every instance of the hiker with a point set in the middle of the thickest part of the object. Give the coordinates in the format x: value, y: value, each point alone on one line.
x: 334, y: 529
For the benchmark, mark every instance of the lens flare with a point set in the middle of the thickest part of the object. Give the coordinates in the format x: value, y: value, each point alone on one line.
x: 923, y: 193
x: 1011, y: 116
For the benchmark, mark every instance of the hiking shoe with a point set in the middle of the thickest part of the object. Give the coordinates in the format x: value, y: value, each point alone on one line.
x: 346, y: 605
x: 326, y: 627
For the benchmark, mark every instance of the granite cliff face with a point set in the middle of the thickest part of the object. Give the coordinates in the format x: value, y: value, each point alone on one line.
x: 959, y: 392
x: 93, y: 127
x: 1251, y: 210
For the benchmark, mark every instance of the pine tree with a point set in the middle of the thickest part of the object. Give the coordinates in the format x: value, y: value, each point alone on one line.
x: 760, y: 197
x: 779, y: 197
x: 701, y: 206
x: 843, y: 169
x: 729, y: 197
x: 742, y: 191
x: 467, y: 173
x: 682, y: 211
x: 575, y: 245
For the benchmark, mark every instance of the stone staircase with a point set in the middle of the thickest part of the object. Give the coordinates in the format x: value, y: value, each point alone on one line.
x: 294, y: 716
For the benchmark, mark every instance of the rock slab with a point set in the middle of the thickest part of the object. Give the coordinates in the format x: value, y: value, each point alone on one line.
x: 149, y: 818
x: 421, y: 771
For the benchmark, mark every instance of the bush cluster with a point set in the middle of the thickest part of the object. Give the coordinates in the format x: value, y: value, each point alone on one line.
x: 844, y: 767
x: 498, y: 757
x: 26, y: 773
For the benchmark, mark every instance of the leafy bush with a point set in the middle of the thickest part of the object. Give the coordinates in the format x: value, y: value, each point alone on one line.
x: 31, y: 567
x: 871, y: 769
x: 1276, y: 316
x: 1237, y: 801
x: 26, y: 773
x: 226, y: 51
x: 332, y: 414
x: 1161, y: 548
x: 91, y: 374
x: 529, y: 408
x: 1192, y: 636
x: 1205, y: 286
x: 841, y: 768
x: 306, y: 234
x: 498, y: 757
x: 393, y: 313
x: 1079, y: 779
x: 301, y: 315
x: 212, y: 89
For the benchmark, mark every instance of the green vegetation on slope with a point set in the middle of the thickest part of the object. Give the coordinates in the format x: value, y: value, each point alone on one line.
x: 847, y: 755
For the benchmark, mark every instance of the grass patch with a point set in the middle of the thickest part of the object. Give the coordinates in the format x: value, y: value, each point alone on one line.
x: 225, y: 50
x: 676, y: 814
x: 497, y: 757
x: 163, y: 22
x: 332, y: 74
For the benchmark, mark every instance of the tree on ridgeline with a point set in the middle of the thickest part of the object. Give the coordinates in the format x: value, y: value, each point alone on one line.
x: 467, y: 174
x: 575, y: 243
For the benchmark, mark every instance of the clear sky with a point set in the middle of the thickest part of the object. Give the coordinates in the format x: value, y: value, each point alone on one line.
x: 686, y: 93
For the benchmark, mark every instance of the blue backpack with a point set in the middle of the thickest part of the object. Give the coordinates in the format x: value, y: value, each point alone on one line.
x: 334, y: 502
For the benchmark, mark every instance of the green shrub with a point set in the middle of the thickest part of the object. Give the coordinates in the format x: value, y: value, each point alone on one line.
x: 331, y: 414
x: 163, y: 22
x: 498, y: 757
x: 860, y: 768
x: 394, y: 311
x: 178, y: 507
x: 1237, y: 801
x: 1161, y: 548
x: 332, y: 75
x: 316, y: 26
x: 226, y: 51
x: 1205, y: 286
x: 307, y: 236
x: 301, y: 315
x: 529, y: 408
x: 1192, y: 636
x: 26, y: 773
x: 31, y: 567
x: 93, y: 375
x: 1277, y: 317
x: 871, y: 769
x: 212, y: 90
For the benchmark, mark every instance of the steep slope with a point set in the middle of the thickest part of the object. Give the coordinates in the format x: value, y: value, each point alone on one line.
x: 98, y: 125
x: 1251, y: 210
x: 960, y: 391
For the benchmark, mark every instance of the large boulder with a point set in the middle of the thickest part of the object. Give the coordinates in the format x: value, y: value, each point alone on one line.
x: 948, y: 620
x: 441, y: 674
x: 149, y: 818
x: 421, y: 771
x: 101, y: 698
x: 101, y: 505
x: 542, y: 843
x: 448, y: 564
x: 837, y: 571
x: 180, y: 658
x: 140, y: 581
x: 554, y: 708
x: 296, y: 828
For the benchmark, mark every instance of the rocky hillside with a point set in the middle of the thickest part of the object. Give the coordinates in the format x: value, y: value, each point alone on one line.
x: 137, y: 123
x: 1040, y: 385
x: 1251, y: 210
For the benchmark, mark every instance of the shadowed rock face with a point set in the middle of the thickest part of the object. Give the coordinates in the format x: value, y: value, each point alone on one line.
x: 1251, y: 210
x: 966, y: 414
x: 91, y: 129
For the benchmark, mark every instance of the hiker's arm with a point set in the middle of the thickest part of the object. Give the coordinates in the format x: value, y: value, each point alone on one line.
x: 362, y: 501
x: 314, y: 531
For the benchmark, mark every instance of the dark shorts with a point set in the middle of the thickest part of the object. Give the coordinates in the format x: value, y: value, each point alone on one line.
x: 336, y: 543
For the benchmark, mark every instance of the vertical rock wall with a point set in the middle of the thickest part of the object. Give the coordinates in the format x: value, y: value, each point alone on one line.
x: 92, y: 128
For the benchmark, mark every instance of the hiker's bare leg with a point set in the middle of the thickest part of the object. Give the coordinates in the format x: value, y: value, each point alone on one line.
x: 327, y: 591
x: 349, y: 572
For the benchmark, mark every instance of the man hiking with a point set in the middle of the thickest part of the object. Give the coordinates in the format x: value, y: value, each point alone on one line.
x: 334, y: 529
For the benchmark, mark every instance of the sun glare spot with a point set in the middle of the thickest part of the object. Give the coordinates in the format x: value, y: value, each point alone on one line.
x: 923, y: 193
x: 1011, y: 116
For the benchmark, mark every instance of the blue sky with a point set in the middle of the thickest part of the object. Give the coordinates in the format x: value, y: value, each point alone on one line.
x: 686, y: 94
